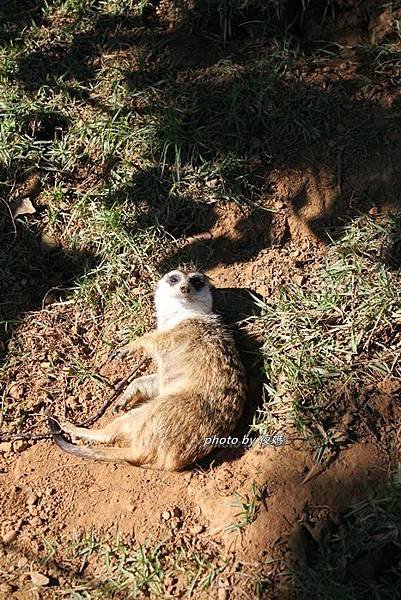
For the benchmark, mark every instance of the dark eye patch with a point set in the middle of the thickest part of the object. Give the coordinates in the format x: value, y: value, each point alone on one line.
x: 173, y: 279
x: 197, y: 282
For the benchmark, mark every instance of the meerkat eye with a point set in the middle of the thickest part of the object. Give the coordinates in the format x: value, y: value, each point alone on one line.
x: 197, y: 282
x: 173, y: 279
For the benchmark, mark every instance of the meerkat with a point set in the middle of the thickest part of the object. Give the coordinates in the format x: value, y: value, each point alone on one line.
x: 197, y: 393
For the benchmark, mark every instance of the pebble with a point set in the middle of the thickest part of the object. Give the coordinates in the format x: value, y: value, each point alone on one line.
x: 9, y: 537
x: 32, y: 499
x: 6, y: 447
x: 48, y: 243
x: 39, y: 579
x: 15, y: 392
x: 23, y: 561
x: 197, y: 529
x: 20, y: 445
x: 299, y: 279
x: 166, y: 515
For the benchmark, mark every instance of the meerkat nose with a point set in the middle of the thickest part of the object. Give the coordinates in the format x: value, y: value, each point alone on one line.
x: 185, y: 289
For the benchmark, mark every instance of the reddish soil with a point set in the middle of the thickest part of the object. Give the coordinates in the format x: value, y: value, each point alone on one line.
x: 47, y: 493
x: 71, y: 495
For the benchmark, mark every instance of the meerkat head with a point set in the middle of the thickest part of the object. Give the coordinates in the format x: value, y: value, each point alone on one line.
x: 180, y: 295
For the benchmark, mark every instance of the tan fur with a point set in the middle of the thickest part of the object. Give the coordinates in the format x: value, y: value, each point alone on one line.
x: 198, y: 392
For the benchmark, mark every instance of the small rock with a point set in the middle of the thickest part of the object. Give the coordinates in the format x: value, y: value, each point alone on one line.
x: 197, y: 529
x: 22, y: 207
x: 48, y: 243
x: 299, y: 279
x: 16, y: 392
x: 20, y: 445
x: 23, y: 561
x: 9, y: 537
x: 32, y: 499
x: 212, y: 183
x: 166, y: 515
x: 38, y: 579
x: 6, y: 447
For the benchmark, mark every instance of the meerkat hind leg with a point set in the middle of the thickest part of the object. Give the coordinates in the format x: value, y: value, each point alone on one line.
x: 120, y: 427
x: 141, y: 389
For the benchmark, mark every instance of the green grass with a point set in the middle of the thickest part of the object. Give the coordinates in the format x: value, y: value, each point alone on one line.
x: 121, y: 567
x: 92, y: 565
x: 129, y: 158
x: 327, y: 341
x: 249, y: 506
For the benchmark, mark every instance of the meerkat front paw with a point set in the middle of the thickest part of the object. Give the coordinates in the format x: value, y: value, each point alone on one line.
x: 119, y: 353
x: 125, y: 401
x: 122, y: 352
x: 126, y: 350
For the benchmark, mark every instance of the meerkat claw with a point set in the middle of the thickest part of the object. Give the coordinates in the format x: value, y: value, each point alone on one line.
x: 119, y: 353
x: 119, y: 406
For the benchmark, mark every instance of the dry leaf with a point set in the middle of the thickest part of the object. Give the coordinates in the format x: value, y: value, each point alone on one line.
x: 22, y: 207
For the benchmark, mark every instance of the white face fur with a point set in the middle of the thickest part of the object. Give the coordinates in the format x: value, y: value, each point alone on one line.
x: 180, y: 295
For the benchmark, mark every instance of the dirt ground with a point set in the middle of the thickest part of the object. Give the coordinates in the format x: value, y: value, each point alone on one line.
x: 48, y: 495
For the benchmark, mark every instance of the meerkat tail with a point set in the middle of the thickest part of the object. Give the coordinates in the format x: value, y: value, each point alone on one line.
x: 105, y: 454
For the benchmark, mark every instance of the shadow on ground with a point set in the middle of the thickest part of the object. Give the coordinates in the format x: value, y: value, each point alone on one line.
x: 35, y: 270
x: 322, y: 138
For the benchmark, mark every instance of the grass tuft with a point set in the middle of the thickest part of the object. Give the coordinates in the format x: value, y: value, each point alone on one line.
x: 327, y: 341
x: 364, y: 561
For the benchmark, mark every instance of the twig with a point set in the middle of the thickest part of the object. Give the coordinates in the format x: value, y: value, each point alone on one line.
x: 318, y: 468
x: 8, y: 437
x: 116, y: 391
